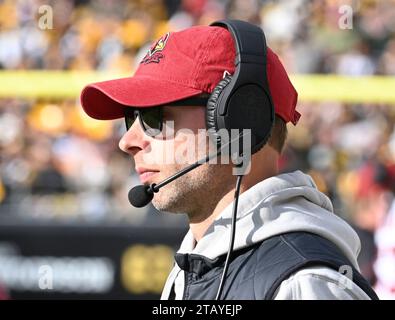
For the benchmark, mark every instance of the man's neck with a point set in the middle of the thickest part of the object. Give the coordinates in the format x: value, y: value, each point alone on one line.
x: 202, y: 220
x: 200, y: 227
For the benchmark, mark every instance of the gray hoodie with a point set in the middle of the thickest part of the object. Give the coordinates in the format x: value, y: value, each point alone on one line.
x: 281, y: 204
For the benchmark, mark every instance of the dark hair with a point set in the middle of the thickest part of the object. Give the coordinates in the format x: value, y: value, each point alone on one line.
x: 278, y: 135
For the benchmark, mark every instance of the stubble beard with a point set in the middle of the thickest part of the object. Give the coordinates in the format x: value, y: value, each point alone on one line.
x: 195, y: 194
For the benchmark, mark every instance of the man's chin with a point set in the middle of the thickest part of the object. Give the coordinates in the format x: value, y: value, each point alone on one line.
x: 166, y: 204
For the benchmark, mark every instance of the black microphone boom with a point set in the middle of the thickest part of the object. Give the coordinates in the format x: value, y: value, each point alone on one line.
x: 141, y: 195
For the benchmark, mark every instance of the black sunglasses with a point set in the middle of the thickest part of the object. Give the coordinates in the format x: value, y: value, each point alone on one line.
x: 151, y: 119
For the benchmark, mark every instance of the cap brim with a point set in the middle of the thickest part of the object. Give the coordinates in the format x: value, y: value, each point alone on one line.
x: 108, y: 99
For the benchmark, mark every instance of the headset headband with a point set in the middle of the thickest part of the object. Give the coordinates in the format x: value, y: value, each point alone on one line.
x: 250, y: 59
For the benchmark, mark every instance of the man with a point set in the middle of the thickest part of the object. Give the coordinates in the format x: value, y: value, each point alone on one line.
x: 288, y: 243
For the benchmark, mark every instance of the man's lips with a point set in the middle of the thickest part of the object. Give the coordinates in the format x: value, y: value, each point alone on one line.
x: 146, y: 174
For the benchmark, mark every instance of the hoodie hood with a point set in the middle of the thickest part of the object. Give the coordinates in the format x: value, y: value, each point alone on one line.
x: 284, y: 203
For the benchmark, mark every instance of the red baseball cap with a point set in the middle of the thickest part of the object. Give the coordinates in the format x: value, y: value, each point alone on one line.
x: 181, y: 65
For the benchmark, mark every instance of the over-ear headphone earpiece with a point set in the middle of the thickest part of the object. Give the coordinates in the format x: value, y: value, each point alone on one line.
x: 212, y: 109
x: 243, y: 101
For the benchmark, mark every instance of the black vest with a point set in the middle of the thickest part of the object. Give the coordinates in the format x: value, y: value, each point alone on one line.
x: 256, y: 272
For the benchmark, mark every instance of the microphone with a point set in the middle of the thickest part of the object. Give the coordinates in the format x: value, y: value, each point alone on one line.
x: 141, y: 195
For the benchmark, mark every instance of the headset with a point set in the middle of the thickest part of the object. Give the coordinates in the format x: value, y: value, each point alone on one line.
x: 239, y: 101
x: 243, y: 100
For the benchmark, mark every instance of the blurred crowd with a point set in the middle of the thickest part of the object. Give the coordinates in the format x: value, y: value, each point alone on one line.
x: 58, y: 165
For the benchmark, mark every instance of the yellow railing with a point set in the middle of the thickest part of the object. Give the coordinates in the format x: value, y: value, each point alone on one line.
x: 68, y: 84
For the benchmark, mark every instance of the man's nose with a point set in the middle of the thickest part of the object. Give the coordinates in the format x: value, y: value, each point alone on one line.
x: 134, y: 139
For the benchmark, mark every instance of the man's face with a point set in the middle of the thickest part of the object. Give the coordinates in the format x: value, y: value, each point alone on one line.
x: 157, y: 158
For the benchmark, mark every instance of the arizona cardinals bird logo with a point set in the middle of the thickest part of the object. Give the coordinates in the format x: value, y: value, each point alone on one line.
x: 154, y: 54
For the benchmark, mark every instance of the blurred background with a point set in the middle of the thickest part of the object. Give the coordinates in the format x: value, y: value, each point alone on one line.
x: 67, y: 229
